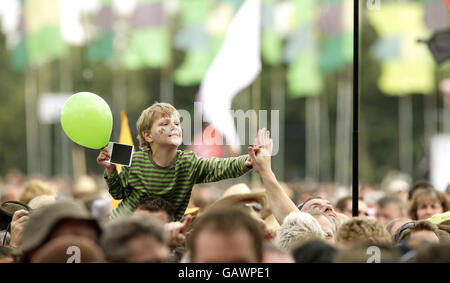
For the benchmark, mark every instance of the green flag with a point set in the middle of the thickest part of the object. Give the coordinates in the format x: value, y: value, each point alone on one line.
x: 303, y: 76
x: 101, y: 48
x: 19, y: 49
x: 332, y: 54
x: 271, y: 47
x: 19, y: 59
x: 200, y: 52
x: 44, y: 41
x: 149, y: 41
x: 193, y: 68
x: 271, y: 41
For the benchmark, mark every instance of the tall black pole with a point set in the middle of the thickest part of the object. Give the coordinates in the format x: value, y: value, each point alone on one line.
x: 355, y: 183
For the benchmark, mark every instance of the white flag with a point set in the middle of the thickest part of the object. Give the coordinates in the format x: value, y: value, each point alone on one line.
x: 236, y: 65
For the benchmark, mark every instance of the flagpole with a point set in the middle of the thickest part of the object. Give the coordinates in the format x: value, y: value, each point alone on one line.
x: 445, y: 112
x: 430, y: 118
x: 340, y: 162
x: 256, y: 106
x: 44, y: 129
x: 119, y: 82
x: 355, y: 155
x: 324, y: 128
x: 343, y: 132
x: 278, y: 98
x: 312, y: 139
x: 166, y: 80
x: 66, y: 86
x: 405, y: 134
x: 79, y: 161
x: 347, y: 146
x: 31, y: 126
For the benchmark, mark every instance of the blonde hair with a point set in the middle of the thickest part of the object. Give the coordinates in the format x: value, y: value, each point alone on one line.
x: 363, y: 231
x: 33, y: 189
x: 85, y: 187
x: 341, y: 217
x: 148, y: 117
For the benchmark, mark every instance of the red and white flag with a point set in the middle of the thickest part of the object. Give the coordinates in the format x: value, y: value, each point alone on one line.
x: 208, y: 147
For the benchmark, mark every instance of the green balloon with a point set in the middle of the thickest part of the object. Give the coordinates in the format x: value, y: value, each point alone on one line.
x: 87, y: 120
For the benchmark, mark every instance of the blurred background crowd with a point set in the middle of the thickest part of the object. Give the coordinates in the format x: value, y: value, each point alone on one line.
x: 42, y: 218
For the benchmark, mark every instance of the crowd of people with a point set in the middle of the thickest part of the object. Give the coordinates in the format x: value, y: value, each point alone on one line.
x: 168, y: 213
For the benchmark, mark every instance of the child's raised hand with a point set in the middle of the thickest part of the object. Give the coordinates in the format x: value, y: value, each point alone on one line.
x: 260, y: 154
x: 103, y: 159
x: 263, y: 143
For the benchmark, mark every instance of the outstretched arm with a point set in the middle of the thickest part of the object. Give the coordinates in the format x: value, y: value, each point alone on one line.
x: 279, y: 201
x: 215, y: 169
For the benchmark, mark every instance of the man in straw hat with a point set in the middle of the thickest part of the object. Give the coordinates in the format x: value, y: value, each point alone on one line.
x: 255, y: 202
x: 240, y: 194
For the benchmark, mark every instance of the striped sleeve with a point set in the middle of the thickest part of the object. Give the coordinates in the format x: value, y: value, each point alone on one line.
x: 215, y: 169
x: 118, y: 183
x: 127, y: 205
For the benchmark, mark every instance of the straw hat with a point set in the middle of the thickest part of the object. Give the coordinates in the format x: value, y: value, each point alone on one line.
x: 85, y: 187
x: 241, y: 193
x: 439, y: 218
x: 192, y: 211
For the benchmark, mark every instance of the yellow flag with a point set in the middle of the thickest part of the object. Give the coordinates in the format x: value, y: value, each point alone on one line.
x: 125, y: 134
x: 413, y: 71
x: 125, y: 138
x: 398, y: 18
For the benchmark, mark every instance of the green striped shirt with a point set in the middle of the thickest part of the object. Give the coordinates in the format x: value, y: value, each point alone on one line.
x: 173, y: 183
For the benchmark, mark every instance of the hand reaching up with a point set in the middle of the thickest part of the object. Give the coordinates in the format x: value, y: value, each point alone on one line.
x: 260, y: 154
x: 177, y: 231
x: 262, y: 142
